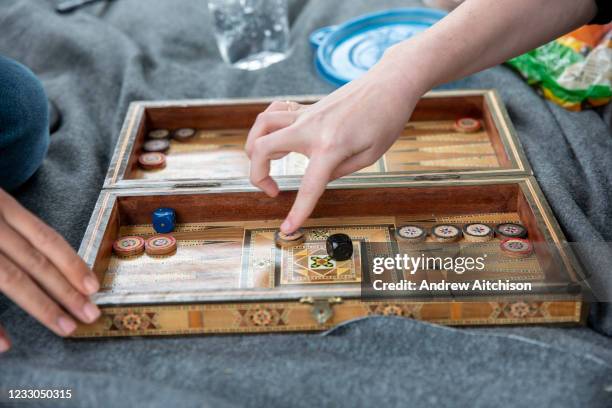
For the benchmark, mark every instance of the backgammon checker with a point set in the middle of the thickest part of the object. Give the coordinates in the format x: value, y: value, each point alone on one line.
x: 516, y: 247
x: 183, y: 134
x: 467, y: 125
x: 159, y: 134
x: 511, y: 230
x: 477, y: 232
x: 152, y: 161
x: 156, y: 145
x: 234, y: 272
x: 445, y: 233
x: 410, y: 233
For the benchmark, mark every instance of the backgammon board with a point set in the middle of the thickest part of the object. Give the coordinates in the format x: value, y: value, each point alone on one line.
x: 422, y: 146
x: 228, y: 276
x: 428, y: 147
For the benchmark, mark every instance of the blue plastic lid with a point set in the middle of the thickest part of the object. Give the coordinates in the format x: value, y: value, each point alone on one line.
x: 345, y: 52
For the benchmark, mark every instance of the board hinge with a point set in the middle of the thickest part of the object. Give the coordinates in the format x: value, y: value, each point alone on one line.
x: 198, y: 185
x: 321, y: 309
x: 436, y: 177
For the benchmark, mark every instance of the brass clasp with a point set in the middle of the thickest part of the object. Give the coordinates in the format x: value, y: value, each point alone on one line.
x: 321, y: 308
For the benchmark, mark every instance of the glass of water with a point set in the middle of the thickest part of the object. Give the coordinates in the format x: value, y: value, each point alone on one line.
x: 251, y: 34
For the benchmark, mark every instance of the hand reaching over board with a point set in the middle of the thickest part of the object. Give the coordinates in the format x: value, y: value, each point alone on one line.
x: 41, y: 273
x: 352, y: 127
x: 342, y: 133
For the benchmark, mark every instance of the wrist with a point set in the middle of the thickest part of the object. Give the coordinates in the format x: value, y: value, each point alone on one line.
x: 406, y: 69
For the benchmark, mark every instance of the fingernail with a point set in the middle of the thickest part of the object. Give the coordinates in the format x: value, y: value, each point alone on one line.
x: 286, y: 227
x: 91, y: 311
x: 4, y: 345
x: 66, y: 325
x: 91, y: 285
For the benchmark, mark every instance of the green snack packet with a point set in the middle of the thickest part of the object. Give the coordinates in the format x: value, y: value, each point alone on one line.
x: 574, y: 71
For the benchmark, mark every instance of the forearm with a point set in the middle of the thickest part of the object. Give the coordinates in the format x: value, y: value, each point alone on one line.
x: 480, y: 34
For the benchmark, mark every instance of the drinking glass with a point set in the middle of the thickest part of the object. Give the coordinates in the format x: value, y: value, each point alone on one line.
x: 251, y: 34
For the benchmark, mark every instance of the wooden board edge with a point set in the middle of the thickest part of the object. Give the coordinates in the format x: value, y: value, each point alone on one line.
x: 96, y: 227
x: 552, y: 226
x: 186, y: 103
x: 278, y: 317
x: 125, y: 141
x: 508, y: 133
x: 346, y: 183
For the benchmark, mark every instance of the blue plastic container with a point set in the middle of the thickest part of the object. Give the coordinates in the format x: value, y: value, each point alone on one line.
x: 345, y: 52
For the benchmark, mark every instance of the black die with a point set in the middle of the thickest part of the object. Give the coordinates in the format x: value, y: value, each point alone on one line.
x: 339, y: 247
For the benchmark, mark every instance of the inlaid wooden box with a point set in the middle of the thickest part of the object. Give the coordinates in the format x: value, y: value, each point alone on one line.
x: 227, y: 276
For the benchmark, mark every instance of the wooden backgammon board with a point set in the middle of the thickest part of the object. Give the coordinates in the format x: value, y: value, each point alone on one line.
x: 226, y: 274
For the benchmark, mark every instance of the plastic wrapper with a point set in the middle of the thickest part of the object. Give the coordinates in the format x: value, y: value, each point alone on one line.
x: 575, y: 70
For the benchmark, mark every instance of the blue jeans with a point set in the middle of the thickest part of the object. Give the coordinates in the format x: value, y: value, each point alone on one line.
x: 24, y: 127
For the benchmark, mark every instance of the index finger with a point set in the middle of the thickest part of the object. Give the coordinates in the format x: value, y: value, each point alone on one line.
x: 49, y: 243
x: 313, y: 185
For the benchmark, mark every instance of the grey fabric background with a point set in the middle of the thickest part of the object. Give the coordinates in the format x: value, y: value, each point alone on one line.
x: 94, y: 62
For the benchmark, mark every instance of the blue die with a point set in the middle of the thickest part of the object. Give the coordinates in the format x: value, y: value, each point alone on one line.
x: 163, y: 220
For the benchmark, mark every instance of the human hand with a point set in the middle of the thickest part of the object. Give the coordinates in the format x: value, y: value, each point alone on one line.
x: 41, y: 273
x: 344, y: 132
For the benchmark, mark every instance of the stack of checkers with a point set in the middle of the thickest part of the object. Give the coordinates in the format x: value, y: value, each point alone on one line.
x: 157, y: 143
x: 160, y: 245
x: 156, y: 245
x: 129, y: 246
x: 283, y: 240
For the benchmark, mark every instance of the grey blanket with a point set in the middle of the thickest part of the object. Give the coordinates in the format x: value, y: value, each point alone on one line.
x: 94, y: 62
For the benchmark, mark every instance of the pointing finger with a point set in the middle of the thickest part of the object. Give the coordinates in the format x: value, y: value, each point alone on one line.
x: 313, y: 185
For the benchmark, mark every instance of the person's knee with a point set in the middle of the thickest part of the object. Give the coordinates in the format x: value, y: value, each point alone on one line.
x: 24, y: 134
